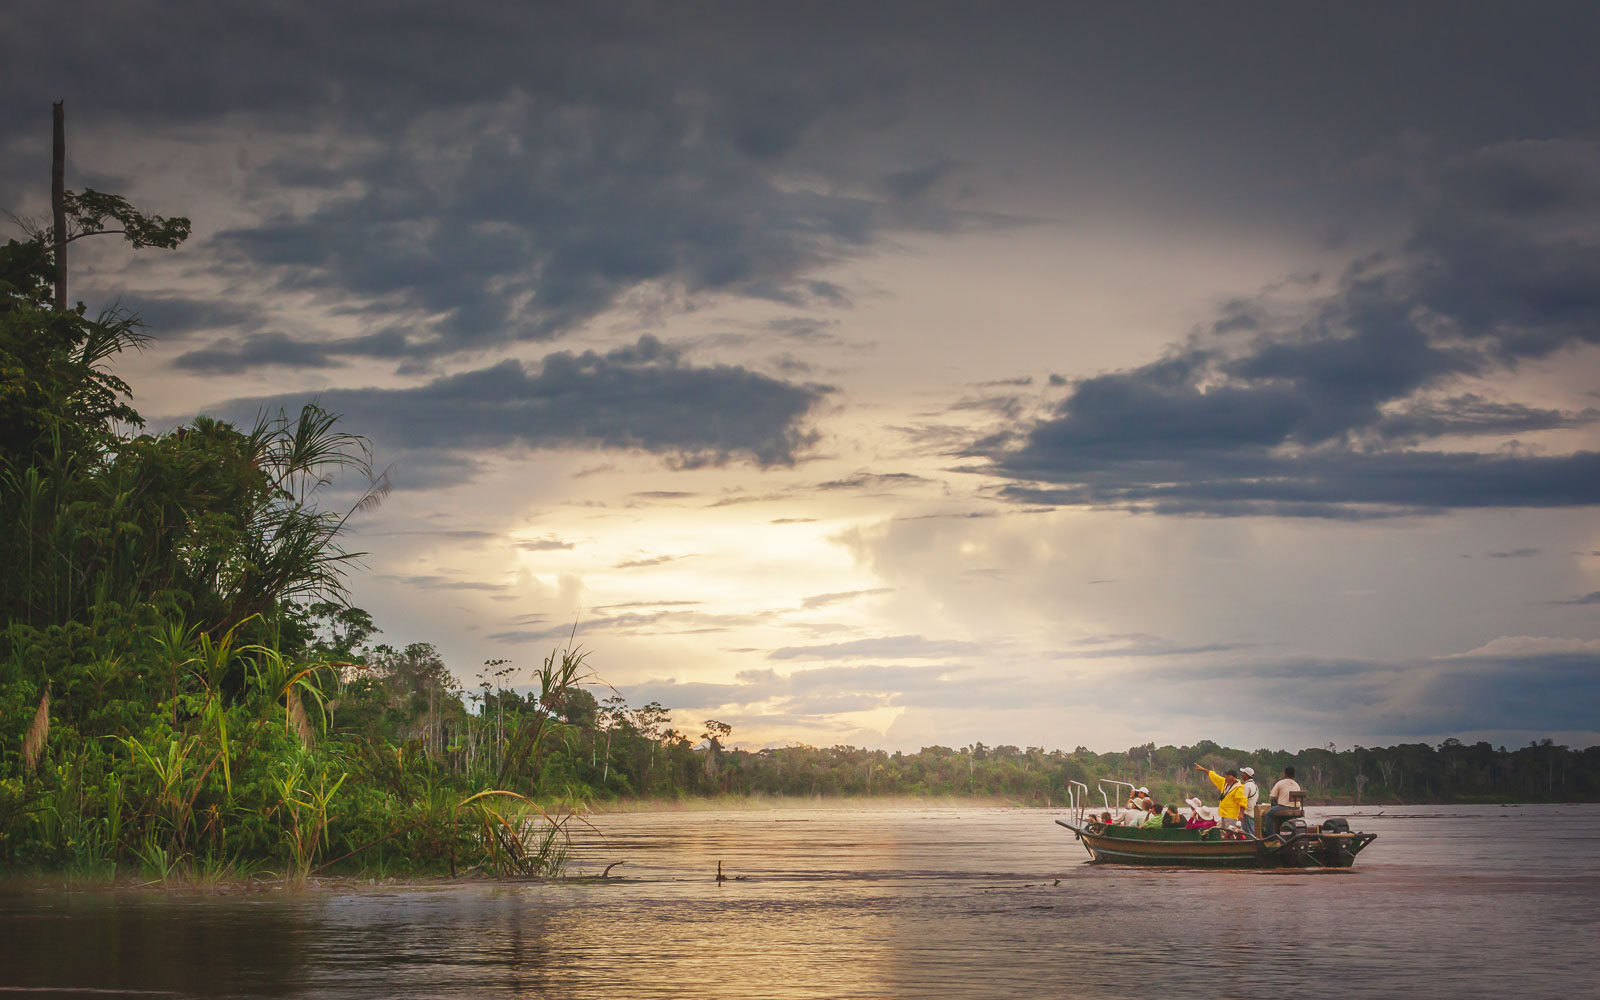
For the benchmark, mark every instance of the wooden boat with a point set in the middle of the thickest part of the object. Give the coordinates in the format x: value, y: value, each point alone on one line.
x: 1295, y: 844
x: 1302, y: 847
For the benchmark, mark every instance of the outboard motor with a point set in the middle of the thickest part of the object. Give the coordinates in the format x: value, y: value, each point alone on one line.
x: 1291, y: 828
x: 1336, y: 824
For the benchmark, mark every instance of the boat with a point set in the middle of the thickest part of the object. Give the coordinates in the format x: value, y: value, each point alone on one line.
x: 1295, y: 844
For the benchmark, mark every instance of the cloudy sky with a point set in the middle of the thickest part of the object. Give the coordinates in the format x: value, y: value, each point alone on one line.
x: 922, y: 373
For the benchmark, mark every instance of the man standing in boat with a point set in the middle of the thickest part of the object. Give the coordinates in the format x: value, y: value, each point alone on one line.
x: 1252, y: 795
x: 1230, y: 809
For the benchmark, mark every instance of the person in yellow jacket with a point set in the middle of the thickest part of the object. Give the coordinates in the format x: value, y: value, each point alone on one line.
x: 1230, y: 811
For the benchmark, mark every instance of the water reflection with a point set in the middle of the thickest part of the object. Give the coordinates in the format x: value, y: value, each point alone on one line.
x: 852, y: 902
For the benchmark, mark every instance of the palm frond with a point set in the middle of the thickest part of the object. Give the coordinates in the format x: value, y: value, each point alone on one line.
x: 33, y: 744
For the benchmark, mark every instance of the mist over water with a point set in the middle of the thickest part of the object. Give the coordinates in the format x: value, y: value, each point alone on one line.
x: 869, y: 902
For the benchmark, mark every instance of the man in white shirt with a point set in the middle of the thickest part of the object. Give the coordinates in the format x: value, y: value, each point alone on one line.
x: 1281, y: 800
x: 1252, y: 794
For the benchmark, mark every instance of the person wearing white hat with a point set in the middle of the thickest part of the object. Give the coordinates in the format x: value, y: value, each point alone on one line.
x: 1252, y: 795
x: 1137, y: 808
x: 1198, y: 819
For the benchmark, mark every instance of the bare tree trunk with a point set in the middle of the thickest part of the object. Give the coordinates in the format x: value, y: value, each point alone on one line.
x: 58, y: 199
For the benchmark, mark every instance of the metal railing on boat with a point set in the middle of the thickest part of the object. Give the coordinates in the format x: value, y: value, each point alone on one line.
x: 1077, y: 796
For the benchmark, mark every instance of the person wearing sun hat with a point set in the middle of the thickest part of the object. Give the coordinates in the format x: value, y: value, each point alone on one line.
x: 1252, y: 795
x: 1198, y: 819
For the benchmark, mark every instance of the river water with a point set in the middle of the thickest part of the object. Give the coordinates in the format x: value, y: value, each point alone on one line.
x: 1449, y: 902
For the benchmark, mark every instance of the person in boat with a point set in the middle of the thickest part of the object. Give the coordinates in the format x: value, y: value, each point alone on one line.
x: 1230, y: 809
x: 1282, y: 803
x: 1197, y: 816
x: 1135, y: 810
x: 1252, y: 795
x: 1153, y: 818
x: 1171, y: 818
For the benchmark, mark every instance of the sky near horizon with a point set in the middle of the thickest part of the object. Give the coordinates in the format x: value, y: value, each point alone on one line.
x: 904, y: 373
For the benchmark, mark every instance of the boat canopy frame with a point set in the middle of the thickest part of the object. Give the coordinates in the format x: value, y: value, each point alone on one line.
x: 1115, y: 784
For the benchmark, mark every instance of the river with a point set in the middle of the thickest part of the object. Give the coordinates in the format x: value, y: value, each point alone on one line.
x: 945, y: 902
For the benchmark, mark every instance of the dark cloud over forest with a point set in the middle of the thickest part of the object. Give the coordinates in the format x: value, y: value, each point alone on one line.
x: 642, y: 397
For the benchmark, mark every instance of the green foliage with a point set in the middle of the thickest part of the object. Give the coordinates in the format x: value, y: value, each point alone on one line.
x: 215, y: 708
x: 93, y: 213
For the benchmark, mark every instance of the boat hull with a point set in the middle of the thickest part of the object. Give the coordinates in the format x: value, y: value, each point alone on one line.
x: 1181, y: 848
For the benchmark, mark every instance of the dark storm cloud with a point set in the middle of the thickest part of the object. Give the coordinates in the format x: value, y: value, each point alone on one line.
x: 1470, y: 414
x: 491, y: 172
x: 229, y: 355
x: 1317, y: 413
x: 174, y: 316
x: 499, y: 173
x: 642, y: 397
x: 260, y: 350
x: 547, y: 217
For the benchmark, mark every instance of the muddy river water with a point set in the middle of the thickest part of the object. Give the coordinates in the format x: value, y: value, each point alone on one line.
x: 946, y: 902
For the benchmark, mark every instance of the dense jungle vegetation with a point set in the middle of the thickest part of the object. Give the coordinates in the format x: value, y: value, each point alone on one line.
x: 184, y: 691
x: 179, y: 687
